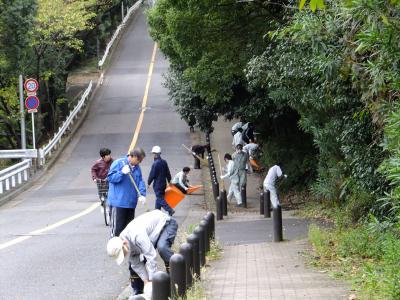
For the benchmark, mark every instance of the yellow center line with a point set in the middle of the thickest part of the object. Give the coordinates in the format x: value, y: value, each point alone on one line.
x: 144, y: 101
x: 95, y: 205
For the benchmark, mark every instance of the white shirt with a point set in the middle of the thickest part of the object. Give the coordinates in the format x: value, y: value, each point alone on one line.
x: 181, y: 179
x: 229, y: 170
x: 273, y: 173
x: 250, y: 148
x: 142, y: 233
x: 237, y: 139
x: 236, y: 126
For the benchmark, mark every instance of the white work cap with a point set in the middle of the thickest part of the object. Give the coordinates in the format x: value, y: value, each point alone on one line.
x: 156, y: 149
x: 114, y: 249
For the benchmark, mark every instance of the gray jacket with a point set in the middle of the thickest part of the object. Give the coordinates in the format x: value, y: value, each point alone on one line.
x: 142, y: 234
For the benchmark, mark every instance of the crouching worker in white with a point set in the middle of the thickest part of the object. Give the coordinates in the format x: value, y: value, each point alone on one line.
x: 138, y: 241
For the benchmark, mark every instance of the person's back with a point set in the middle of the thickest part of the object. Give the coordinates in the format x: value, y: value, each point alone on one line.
x: 273, y: 173
x: 159, y: 174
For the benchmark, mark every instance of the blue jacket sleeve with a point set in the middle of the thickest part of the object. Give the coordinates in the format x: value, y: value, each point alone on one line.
x: 168, y: 173
x: 142, y: 185
x: 115, y: 175
x: 152, y: 174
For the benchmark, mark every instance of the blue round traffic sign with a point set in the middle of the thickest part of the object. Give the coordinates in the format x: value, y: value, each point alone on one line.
x: 32, y: 102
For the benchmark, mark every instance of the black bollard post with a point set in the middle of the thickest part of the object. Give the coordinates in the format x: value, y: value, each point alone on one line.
x: 277, y: 221
x: 222, y: 196
x: 200, y: 234
x: 243, y: 196
x: 161, y: 286
x: 215, y: 187
x: 178, y: 275
x: 267, y: 205
x: 196, y: 163
x: 218, y: 204
x: 261, y: 203
x: 211, y: 217
x: 186, y: 250
x: 204, y: 224
x: 194, y: 241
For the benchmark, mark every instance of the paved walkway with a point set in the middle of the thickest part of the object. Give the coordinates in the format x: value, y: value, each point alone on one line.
x: 254, y: 267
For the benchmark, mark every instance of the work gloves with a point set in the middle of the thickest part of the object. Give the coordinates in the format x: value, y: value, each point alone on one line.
x: 142, y: 200
x: 125, y: 169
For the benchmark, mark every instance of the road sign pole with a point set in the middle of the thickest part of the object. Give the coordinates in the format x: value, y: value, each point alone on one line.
x: 22, y: 112
x: 33, y: 131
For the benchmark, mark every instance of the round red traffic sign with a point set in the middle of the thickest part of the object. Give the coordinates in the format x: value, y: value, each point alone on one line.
x: 31, y: 85
x: 32, y: 102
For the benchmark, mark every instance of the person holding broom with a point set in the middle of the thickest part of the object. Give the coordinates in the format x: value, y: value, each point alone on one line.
x: 126, y: 189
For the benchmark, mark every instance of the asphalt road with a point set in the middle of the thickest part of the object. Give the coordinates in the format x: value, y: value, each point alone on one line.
x: 69, y: 261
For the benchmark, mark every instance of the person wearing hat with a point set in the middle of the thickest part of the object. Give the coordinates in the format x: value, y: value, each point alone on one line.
x: 126, y: 188
x: 160, y: 176
x: 139, y: 241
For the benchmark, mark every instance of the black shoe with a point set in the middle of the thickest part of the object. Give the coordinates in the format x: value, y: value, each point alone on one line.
x: 171, y: 213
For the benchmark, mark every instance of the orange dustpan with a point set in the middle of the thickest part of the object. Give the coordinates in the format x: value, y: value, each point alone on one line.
x: 173, y: 195
x: 194, y: 188
x: 255, y: 165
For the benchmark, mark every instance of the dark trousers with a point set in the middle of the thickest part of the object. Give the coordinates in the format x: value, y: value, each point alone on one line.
x: 120, y: 218
x: 181, y: 188
x: 160, y: 202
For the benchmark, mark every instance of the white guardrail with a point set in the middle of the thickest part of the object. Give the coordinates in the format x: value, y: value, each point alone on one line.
x: 20, y: 172
x: 116, y: 33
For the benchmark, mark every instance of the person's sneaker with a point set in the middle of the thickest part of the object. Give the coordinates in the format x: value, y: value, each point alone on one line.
x: 239, y: 205
x: 171, y: 213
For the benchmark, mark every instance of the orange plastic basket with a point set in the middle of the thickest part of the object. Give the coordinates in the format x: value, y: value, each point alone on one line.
x: 255, y: 165
x: 194, y: 188
x: 173, y: 195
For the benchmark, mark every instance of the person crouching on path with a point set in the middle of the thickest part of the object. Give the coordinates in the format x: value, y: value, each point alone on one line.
x: 149, y: 231
x: 181, y: 180
x: 125, y: 177
x: 233, y: 174
x: 160, y: 176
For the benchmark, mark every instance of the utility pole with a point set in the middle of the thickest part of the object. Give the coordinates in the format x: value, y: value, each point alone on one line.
x: 22, y: 113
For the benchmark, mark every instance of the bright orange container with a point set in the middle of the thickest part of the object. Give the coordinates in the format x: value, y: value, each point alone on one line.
x: 173, y: 195
x: 194, y: 188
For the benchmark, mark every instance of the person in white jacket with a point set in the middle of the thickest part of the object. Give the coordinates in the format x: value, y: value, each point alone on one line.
x: 181, y: 180
x: 269, y: 183
x: 139, y: 241
x: 233, y: 174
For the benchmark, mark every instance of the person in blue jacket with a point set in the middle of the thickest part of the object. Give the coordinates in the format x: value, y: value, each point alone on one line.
x: 160, y: 176
x: 123, y: 194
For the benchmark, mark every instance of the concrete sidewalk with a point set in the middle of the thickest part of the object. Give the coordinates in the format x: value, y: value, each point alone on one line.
x: 254, y: 267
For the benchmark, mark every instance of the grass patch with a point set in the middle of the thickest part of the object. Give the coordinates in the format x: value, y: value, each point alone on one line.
x: 196, y: 292
x: 215, y: 251
x: 365, y: 255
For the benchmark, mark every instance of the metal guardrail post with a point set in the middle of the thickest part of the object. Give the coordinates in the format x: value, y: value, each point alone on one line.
x: 194, y: 241
x: 161, y: 286
x: 186, y: 250
x: 199, y: 232
x: 267, y: 205
x: 178, y: 275
x: 277, y: 221
x: 261, y: 203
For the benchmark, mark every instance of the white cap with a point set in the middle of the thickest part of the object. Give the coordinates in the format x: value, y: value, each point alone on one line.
x: 114, y: 249
x: 156, y: 149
